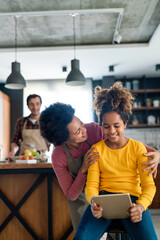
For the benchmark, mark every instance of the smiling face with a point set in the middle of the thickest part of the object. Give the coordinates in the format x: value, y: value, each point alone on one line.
x: 34, y: 106
x: 113, y: 129
x: 77, y: 132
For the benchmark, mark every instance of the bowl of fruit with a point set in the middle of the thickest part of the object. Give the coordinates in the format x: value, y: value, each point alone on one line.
x: 29, y: 155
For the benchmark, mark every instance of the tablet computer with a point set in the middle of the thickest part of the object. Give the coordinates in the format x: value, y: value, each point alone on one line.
x: 114, y: 206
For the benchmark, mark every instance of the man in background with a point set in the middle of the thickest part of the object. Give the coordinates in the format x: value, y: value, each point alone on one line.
x: 27, y: 132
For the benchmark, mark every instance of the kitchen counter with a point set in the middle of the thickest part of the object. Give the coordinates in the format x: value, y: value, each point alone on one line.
x: 24, y: 164
x: 32, y: 203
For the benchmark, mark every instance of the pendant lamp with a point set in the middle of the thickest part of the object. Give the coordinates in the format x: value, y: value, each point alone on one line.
x: 75, y: 77
x: 15, y: 80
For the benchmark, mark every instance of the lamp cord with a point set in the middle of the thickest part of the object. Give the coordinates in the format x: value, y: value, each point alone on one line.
x: 74, y: 35
x: 15, y: 39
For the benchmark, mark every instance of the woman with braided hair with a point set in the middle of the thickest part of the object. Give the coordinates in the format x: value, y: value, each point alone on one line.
x: 119, y: 169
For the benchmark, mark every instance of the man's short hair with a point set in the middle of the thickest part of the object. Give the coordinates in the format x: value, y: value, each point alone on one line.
x: 33, y: 96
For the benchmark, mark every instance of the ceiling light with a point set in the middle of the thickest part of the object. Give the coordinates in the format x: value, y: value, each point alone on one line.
x: 117, y: 38
x: 75, y: 77
x: 15, y: 79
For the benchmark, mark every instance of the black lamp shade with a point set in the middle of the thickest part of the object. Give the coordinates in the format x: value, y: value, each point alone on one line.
x: 15, y: 79
x: 75, y: 77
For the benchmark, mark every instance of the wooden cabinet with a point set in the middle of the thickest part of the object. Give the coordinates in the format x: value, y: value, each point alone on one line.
x: 4, y: 122
x: 146, y: 107
x: 33, y: 205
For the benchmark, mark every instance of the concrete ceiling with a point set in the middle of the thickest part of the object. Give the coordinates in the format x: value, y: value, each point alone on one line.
x: 45, y: 37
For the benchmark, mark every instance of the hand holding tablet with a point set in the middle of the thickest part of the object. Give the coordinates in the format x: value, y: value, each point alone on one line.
x: 115, y: 206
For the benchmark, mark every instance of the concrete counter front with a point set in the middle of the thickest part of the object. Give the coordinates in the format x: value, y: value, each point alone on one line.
x: 32, y: 205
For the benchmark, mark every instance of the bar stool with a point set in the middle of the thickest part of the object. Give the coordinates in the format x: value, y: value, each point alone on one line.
x: 117, y: 229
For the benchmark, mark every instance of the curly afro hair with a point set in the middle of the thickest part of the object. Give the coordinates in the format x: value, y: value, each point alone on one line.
x: 116, y: 99
x: 53, y: 123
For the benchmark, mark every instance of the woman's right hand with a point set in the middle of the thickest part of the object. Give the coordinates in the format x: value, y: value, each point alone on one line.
x: 89, y: 158
x: 96, y: 209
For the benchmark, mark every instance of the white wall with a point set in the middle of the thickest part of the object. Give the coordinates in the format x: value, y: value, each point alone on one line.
x: 53, y: 91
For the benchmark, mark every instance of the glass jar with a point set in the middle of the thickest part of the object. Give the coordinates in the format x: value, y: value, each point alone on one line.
x: 32, y: 147
x: 128, y: 85
x: 148, y: 102
x: 135, y: 84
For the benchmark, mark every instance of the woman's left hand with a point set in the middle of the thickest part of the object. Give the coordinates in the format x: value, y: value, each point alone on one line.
x: 135, y: 212
x: 153, y: 163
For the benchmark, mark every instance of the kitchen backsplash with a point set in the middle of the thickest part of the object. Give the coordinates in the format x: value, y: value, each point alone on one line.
x: 149, y: 136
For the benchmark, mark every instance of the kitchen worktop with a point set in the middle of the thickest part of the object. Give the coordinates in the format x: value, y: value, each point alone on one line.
x: 24, y: 164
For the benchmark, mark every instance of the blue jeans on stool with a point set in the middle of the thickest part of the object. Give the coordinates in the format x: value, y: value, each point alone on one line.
x: 92, y: 228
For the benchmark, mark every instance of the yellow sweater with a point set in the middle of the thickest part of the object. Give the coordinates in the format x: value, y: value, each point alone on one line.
x: 120, y: 171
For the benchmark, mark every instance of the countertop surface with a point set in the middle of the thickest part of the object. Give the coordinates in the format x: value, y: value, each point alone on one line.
x: 24, y: 164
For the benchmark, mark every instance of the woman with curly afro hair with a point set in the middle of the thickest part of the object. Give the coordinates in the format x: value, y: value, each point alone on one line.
x: 118, y: 170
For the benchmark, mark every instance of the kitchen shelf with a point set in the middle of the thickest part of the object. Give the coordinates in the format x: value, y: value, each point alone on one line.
x: 143, y: 125
x: 149, y: 90
x: 146, y: 90
x: 145, y: 108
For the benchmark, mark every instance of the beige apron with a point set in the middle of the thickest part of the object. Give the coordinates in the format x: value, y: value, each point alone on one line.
x: 32, y: 137
x: 78, y: 206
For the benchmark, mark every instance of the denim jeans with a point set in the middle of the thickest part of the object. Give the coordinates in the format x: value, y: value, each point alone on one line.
x: 92, y: 228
